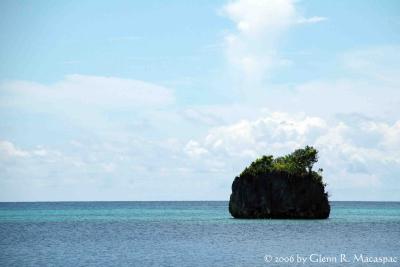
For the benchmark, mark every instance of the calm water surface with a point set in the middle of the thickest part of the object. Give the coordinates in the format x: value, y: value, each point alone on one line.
x: 189, y: 234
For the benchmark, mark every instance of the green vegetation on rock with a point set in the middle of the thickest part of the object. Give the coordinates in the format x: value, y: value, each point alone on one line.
x: 298, y: 163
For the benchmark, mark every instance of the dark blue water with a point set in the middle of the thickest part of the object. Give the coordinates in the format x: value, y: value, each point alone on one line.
x: 190, y: 234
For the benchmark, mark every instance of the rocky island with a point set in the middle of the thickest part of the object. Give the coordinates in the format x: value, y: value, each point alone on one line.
x: 285, y: 187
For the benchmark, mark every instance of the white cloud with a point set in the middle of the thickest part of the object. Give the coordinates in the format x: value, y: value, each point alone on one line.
x: 276, y: 132
x: 311, y: 20
x: 327, y: 98
x: 40, y: 152
x: 361, y: 153
x: 193, y: 149
x: 8, y: 150
x: 256, y: 17
x: 81, y: 104
x: 82, y: 91
x: 380, y: 63
x: 138, y: 169
x: 252, y: 48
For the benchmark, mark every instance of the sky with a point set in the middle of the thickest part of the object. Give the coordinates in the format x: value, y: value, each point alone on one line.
x: 170, y: 100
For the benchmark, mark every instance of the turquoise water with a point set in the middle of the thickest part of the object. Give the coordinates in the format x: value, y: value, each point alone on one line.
x: 190, y: 234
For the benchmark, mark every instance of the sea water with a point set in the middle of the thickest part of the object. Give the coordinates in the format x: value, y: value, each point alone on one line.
x: 193, y: 234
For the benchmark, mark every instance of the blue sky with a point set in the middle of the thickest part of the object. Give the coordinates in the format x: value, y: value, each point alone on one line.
x: 156, y: 100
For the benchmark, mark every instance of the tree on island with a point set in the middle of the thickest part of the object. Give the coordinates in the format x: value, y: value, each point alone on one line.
x: 298, y: 163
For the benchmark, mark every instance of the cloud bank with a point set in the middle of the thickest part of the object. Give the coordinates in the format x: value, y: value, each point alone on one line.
x: 357, y: 153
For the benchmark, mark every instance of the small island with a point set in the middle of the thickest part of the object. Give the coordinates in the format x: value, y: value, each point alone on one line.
x: 283, y: 188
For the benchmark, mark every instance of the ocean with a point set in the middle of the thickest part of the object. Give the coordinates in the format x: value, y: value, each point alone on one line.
x: 194, y: 234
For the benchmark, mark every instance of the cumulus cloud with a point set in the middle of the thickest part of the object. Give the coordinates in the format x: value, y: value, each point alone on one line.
x: 252, y: 48
x: 348, y: 161
x: 8, y: 150
x: 254, y: 18
x: 193, y: 148
x: 277, y: 132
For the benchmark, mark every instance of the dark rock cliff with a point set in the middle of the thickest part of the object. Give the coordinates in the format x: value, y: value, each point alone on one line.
x: 278, y: 195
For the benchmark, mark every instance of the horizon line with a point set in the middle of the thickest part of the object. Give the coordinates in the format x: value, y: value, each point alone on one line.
x: 68, y: 201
